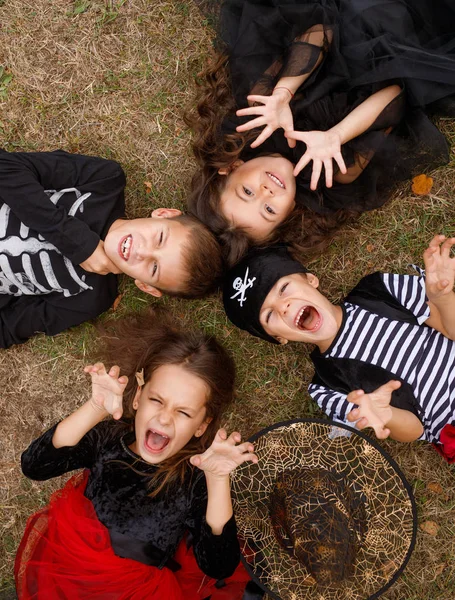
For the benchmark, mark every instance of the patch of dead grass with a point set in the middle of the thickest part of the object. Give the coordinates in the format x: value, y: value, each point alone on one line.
x: 113, y: 81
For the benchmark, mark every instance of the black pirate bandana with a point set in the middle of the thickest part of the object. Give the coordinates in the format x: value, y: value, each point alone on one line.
x: 248, y: 283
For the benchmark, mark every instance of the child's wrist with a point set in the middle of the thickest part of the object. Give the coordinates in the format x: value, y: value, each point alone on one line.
x: 98, y: 410
x: 338, y: 131
x: 442, y: 300
x: 214, y: 479
x: 283, y: 91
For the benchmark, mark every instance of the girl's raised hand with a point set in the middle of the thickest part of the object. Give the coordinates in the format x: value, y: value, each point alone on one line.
x: 274, y: 112
x: 439, y: 267
x: 374, y: 408
x: 321, y: 147
x: 107, y: 388
x: 224, y: 455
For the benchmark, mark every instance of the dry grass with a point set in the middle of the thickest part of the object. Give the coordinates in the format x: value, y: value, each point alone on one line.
x: 111, y: 78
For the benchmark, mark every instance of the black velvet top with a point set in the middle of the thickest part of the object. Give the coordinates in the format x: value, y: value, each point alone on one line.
x: 140, y: 527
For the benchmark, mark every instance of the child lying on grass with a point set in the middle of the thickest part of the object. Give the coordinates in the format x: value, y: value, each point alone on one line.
x: 151, y: 516
x: 64, y: 237
x: 384, y: 358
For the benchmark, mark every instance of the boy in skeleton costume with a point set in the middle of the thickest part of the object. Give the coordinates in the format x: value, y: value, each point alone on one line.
x: 64, y: 237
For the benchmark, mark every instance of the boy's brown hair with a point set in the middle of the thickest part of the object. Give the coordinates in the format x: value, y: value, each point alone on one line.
x: 202, y: 260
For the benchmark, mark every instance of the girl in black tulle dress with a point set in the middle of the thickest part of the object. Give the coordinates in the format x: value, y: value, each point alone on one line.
x: 313, y: 110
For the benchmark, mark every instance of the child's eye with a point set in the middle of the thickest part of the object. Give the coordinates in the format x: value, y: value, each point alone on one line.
x: 283, y: 287
x: 161, y: 238
x: 186, y: 414
x: 247, y: 191
x: 270, y: 210
x: 269, y: 314
x: 155, y: 400
x: 155, y: 267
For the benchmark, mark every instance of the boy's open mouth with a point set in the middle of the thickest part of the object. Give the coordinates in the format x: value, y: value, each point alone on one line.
x: 125, y: 247
x: 156, y: 442
x: 276, y: 180
x: 308, y: 319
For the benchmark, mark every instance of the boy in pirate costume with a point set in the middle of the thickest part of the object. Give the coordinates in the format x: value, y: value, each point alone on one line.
x: 384, y: 358
x: 64, y: 238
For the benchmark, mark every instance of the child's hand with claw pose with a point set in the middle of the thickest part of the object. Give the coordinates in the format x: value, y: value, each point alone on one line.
x: 106, y: 399
x: 224, y: 455
x: 374, y: 410
x: 107, y: 388
x: 217, y: 462
x: 439, y: 282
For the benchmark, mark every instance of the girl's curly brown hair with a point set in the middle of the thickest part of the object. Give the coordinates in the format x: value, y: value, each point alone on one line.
x: 305, y: 231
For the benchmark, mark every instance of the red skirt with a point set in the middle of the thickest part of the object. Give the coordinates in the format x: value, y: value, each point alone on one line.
x: 66, y: 554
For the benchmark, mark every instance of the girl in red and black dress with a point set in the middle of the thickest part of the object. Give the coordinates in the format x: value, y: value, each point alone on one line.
x: 151, y: 515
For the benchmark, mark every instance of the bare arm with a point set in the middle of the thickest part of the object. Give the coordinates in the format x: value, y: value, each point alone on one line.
x: 217, y: 462
x: 274, y: 111
x: 325, y: 146
x: 375, y: 411
x: 362, y: 117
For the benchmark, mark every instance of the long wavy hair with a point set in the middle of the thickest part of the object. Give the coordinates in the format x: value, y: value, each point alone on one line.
x: 305, y: 231
x: 146, y: 341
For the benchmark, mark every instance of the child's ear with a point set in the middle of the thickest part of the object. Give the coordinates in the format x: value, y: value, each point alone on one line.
x: 312, y: 280
x: 166, y: 213
x: 233, y: 167
x: 202, y: 428
x: 148, y: 289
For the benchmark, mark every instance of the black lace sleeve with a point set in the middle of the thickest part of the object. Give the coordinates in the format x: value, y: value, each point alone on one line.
x: 216, y: 555
x: 268, y: 40
x: 41, y: 460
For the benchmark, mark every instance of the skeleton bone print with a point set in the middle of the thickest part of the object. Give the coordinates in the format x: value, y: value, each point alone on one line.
x: 29, y: 264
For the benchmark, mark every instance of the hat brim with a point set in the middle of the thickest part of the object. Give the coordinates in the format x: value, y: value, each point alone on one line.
x: 391, y: 509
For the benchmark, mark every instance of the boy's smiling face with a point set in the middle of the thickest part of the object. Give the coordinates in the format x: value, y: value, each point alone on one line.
x: 149, y: 250
x: 294, y: 310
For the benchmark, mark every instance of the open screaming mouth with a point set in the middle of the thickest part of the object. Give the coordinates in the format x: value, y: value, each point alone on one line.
x: 125, y: 247
x: 156, y: 442
x: 308, y: 319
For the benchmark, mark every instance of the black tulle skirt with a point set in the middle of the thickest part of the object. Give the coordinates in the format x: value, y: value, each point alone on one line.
x: 370, y: 44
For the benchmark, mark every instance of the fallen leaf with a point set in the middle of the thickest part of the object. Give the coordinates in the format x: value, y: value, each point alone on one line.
x: 370, y: 248
x: 436, y: 488
x: 148, y: 187
x: 421, y: 185
x: 430, y: 527
x: 117, y: 302
x: 440, y: 568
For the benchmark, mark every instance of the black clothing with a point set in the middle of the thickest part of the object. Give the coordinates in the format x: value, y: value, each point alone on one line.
x: 384, y: 339
x: 140, y: 527
x: 368, y: 45
x: 55, y: 207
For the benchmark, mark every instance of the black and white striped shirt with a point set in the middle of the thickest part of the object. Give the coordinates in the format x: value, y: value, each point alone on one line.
x: 419, y: 355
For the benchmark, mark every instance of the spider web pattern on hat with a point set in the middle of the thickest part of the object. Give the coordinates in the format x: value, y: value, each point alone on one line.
x: 385, y: 525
